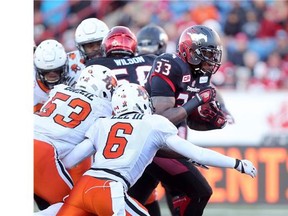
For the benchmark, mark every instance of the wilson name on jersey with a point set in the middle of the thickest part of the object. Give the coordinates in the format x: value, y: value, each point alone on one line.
x: 129, y: 69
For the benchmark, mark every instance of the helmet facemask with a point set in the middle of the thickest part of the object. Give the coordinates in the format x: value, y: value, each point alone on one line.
x: 94, y: 45
x: 210, y: 59
x: 61, y: 71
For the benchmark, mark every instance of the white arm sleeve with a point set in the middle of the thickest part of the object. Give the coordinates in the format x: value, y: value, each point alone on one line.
x: 79, y: 153
x: 199, y: 154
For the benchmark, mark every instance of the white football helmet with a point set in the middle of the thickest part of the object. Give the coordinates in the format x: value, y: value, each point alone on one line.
x: 131, y: 97
x: 88, y: 31
x: 50, y: 56
x: 98, y: 80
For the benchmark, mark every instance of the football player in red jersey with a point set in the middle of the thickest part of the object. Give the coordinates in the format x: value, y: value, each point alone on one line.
x: 179, y: 83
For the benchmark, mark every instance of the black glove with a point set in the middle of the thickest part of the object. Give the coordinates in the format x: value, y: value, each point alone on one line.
x: 205, y: 95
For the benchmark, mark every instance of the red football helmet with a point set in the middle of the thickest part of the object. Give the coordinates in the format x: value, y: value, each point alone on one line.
x: 199, y: 45
x: 120, y: 40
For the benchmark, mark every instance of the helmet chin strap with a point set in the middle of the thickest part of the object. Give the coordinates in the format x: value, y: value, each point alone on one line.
x: 205, y: 72
x: 198, y: 69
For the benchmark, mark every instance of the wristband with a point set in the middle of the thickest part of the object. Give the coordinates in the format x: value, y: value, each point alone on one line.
x: 237, y: 163
x: 194, y: 102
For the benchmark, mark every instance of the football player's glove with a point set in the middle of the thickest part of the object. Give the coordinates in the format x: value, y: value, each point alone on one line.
x: 205, y: 95
x: 211, y: 112
x: 246, y: 166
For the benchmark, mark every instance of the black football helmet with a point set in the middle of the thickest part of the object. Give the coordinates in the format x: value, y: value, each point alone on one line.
x: 152, y: 39
x: 200, y: 47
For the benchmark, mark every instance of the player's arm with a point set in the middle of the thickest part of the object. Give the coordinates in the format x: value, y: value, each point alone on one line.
x: 165, y: 107
x: 80, y: 152
x: 163, y: 98
x: 209, y: 157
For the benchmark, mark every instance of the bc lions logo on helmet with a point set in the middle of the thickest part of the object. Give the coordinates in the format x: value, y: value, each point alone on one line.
x: 197, y: 37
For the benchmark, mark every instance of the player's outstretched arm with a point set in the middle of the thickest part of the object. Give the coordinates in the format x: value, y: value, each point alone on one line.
x: 208, y: 156
x: 80, y: 152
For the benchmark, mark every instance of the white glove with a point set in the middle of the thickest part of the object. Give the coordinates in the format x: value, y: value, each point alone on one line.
x: 245, y: 166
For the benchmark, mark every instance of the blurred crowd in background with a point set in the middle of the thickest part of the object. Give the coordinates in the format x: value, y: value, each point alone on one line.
x: 254, y: 33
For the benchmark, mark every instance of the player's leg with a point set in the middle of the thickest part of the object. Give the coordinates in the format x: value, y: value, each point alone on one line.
x: 133, y: 207
x: 144, y: 190
x: 100, y: 196
x: 152, y: 204
x: 77, y: 171
x: 183, y: 179
x: 52, y: 182
x: 90, y: 196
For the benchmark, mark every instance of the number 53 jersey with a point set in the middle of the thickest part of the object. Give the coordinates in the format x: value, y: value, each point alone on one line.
x: 64, y: 118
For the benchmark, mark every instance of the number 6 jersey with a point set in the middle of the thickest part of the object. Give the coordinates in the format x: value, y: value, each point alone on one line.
x: 128, y: 143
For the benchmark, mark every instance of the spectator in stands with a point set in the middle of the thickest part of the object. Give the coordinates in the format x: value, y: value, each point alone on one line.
x: 251, y: 26
x: 235, y: 19
x: 236, y: 49
x: 282, y: 44
x: 269, y: 25
x: 199, y: 17
x: 270, y: 75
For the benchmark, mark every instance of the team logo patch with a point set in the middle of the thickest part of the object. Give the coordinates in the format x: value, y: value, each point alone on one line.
x: 203, y: 79
x: 186, y: 78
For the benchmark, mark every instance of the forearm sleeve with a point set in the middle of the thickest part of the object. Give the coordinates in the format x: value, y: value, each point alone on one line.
x: 79, y: 153
x: 199, y: 154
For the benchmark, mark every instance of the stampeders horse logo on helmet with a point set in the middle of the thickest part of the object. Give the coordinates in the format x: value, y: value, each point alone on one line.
x: 197, y: 37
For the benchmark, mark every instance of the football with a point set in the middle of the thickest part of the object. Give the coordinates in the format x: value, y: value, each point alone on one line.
x: 194, y: 119
x: 207, y: 116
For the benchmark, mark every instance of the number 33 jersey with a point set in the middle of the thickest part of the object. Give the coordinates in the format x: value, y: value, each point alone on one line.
x: 64, y: 119
x: 170, y: 76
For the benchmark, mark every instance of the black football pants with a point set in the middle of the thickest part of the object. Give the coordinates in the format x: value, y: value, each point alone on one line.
x: 180, y: 178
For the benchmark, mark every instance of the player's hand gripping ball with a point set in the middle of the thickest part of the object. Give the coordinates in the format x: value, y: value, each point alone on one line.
x: 209, y: 114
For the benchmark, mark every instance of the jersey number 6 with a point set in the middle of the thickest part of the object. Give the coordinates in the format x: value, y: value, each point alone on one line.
x: 115, y: 145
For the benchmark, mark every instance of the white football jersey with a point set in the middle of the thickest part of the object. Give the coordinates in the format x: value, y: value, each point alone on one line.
x: 76, y: 65
x: 127, y: 144
x: 64, y: 119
